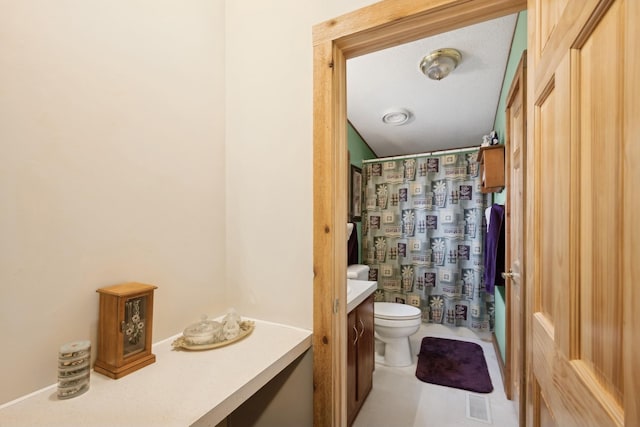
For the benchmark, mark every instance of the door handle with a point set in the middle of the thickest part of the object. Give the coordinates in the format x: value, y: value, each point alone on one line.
x: 509, y: 275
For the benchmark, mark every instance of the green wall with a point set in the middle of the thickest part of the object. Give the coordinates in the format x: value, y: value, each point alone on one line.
x: 358, y: 151
x: 358, y: 148
x: 517, y: 47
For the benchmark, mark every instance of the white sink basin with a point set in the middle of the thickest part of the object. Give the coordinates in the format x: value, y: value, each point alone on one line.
x: 358, y: 291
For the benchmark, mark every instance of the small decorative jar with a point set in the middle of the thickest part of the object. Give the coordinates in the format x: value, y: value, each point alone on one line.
x: 74, y: 369
x: 203, y: 332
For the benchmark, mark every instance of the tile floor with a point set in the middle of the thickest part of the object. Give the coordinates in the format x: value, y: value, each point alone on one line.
x: 399, y: 399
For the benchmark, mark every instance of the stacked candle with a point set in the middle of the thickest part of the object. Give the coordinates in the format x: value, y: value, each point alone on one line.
x: 74, y: 360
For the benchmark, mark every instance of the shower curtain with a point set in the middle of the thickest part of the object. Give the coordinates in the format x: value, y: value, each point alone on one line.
x: 423, y: 236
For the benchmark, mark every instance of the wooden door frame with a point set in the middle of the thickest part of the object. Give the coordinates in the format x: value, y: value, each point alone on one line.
x: 384, y: 24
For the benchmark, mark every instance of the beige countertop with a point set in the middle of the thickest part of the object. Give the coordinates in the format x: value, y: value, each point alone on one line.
x: 358, y: 291
x: 182, y: 388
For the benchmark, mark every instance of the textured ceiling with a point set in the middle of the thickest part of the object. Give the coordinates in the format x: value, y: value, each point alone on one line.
x: 451, y: 113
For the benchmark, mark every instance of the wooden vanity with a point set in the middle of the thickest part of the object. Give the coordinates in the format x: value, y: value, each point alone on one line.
x: 360, y: 346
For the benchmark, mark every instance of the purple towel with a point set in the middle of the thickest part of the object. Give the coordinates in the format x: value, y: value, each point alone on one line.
x: 352, y: 247
x: 494, y: 249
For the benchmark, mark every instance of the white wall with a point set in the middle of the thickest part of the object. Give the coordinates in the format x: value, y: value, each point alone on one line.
x: 111, y: 169
x: 269, y: 152
x: 121, y: 160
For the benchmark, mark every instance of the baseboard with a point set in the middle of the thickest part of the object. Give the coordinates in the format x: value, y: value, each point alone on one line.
x: 496, y: 348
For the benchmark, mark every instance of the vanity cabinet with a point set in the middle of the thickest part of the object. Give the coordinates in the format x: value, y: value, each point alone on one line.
x: 360, y: 356
x: 491, y: 161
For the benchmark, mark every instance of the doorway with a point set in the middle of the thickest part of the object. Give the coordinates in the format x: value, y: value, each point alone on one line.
x: 384, y: 24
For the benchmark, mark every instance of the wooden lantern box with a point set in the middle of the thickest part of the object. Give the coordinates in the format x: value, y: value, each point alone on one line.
x: 124, y: 329
x: 492, y: 171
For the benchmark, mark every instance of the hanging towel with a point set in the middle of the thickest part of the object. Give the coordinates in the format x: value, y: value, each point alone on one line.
x: 494, y: 249
x: 352, y: 247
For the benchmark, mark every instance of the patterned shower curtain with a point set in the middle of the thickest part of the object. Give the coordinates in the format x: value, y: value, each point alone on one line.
x: 423, y: 236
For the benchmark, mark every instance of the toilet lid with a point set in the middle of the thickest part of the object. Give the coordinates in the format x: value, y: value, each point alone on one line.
x: 392, y: 310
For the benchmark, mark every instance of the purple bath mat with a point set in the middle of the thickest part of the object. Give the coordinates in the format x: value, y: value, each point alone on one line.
x: 453, y: 363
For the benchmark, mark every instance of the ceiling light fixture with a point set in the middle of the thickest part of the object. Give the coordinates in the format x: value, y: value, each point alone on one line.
x: 439, y: 63
x: 397, y: 117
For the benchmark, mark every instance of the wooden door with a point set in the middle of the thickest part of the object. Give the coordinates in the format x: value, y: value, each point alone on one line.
x: 516, y: 120
x: 582, y: 237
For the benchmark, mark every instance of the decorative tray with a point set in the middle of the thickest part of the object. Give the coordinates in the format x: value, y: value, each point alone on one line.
x: 246, y: 327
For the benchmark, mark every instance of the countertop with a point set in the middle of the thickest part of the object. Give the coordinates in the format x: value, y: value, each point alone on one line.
x: 360, y: 290
x: 182, y: 388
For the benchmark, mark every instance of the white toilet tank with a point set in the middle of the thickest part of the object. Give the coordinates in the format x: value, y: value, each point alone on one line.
x: 358, y: 272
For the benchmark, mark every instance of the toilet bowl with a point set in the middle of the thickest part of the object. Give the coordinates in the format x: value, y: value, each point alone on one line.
x: 393, y: 324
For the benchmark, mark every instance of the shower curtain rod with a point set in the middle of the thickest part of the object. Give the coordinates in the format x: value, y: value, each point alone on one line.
x: 430, y: 153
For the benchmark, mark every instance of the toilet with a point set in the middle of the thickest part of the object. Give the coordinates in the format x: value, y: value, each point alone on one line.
x: 393, y: 324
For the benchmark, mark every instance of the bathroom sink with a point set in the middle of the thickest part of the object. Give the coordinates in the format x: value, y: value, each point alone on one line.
x: 358, y: 291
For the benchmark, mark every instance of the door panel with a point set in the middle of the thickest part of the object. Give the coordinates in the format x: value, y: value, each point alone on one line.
x: 554, y: 215
x: 631, y: 207
x: 579, y: 314
x: 546, y: 416
x: 352, y: 369
x: 549, y: 12
x: 366, y: 360
x: 600, y: 186
x: 515, y: 143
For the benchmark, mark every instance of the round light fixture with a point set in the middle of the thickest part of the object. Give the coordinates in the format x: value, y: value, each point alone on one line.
x: 439, y: 63
x: 397, y: 117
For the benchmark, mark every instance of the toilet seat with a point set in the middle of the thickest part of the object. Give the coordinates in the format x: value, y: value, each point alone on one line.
x: 395, y: 311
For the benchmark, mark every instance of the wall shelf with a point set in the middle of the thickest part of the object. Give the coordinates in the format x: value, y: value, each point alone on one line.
x: 491, y: 159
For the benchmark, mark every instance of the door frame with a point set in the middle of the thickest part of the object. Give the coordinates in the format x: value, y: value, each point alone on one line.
x: 378, y: 26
